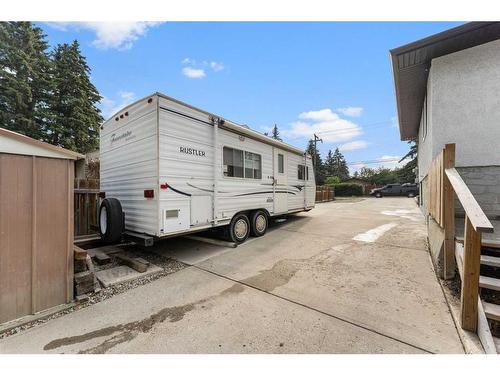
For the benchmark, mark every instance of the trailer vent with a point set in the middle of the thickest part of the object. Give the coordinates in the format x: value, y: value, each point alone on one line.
x: 171, y: 213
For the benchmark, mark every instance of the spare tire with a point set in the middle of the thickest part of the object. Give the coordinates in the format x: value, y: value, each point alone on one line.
x: 111, y: 224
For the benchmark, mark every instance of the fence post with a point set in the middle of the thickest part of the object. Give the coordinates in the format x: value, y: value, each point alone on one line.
x: 470, y: 277
x: 448, y: 214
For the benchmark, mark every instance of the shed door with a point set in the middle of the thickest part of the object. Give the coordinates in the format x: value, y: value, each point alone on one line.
x: 36, y: 234
x: 280, y: 182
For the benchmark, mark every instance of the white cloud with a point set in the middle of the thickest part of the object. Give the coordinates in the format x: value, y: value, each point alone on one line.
x: 351, y: 111
x: 326, y: 124
x: 193, y: 73
x: 388, y: 161
x: 187, y: 60
x: 394, y: 121
x: 321, y: 115
x: 354, y: 145
x: 199, y: 70
x: 216, y: 66
x: 118, y: 35
x: 110, y: 106
x: 10, y: 71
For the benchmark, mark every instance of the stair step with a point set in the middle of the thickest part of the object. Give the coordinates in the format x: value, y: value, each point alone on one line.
x: 491, y: 311
x: 489, y: 283
x: 492, y: 244
x: 497, y: 343
x: 488, y: 260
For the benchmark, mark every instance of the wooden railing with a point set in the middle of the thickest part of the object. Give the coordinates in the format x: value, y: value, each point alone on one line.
x: 476, y: 223
x: 444, y: 182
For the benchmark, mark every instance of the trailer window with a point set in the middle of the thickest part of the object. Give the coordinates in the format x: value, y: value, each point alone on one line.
x: 301, y: 172
x: 281, y: 163
x: 253, y: 165
x: 233, y: 162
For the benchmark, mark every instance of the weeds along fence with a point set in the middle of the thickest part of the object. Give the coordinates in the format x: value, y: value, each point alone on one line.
x: 86, y: 206
x: 325, y: 194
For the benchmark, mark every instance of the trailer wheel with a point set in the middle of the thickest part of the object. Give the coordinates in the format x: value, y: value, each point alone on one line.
x: 411, y: 195
x: 239, y: 229
x: 378, y: 195
x: 111, y: 220
x: 259, y: 223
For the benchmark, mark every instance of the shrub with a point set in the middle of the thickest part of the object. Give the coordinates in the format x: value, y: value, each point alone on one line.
x: 332, y: 180
x: 346, y: 189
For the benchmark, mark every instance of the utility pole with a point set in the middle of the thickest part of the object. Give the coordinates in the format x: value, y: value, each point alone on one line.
x: 316, y: 139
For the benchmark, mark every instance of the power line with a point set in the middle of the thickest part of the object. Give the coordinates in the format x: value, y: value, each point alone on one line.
x: 368, y: 126
x: 388, y: 160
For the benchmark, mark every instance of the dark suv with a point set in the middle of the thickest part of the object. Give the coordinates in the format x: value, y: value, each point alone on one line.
x: 408, y: 190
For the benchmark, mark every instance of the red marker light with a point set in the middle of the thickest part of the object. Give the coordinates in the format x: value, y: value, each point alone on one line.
x: 164, y: 186
x: 149, y: 193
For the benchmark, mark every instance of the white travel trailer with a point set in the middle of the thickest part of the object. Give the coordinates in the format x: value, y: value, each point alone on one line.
x: 168, y: 168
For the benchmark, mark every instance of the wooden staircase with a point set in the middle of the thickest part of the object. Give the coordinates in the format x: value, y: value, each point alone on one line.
x: 488, y: 312
x: 477, y: 261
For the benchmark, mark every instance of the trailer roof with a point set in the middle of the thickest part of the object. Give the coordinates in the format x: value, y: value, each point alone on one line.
x: 228, y: 124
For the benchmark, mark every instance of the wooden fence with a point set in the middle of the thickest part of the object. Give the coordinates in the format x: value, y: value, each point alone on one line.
x: 86, y: 206
x: 444, y: 183
x: 325, y: 194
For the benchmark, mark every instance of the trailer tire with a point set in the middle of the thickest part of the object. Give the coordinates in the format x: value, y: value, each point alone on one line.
x: 259, y: 223
x: 239, y: 229
x: 111, y: 224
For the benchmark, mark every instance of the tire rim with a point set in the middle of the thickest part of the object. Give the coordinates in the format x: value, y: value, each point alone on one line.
x: 260, y: 223
x: 240, y: 229
x: 103, y: 220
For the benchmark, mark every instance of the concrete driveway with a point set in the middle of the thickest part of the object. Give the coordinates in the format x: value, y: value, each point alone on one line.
x: 346, y: 277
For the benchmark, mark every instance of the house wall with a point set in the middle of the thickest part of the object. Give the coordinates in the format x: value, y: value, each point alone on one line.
x: 463, y: 107
x: 484, y: 184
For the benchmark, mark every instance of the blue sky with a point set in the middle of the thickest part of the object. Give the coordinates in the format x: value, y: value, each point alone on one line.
x: 331, y: 78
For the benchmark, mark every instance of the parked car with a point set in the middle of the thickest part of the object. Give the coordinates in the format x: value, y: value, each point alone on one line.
x: 409, y: 190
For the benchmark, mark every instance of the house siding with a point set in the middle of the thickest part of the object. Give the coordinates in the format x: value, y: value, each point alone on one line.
x: 463, y: 107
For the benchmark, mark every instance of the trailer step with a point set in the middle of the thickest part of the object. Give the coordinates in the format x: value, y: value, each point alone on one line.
x: 488, y: 260
x: 489, y: 283
x: 491, y: 311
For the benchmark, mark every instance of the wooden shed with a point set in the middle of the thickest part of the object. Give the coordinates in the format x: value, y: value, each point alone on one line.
x: 36, y: 225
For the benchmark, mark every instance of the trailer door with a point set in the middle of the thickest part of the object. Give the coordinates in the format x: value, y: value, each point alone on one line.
x: 280, y: 182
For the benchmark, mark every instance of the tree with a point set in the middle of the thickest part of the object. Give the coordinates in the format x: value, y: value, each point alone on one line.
x: 275, y: 134
x: 329, y: 168
x: 356, y: 174
x: 336, y: 165
x: 25, y: 83
x: 75, y: 118
x: 317, y: 162
x: 332, y: 180
x: 407, y: 172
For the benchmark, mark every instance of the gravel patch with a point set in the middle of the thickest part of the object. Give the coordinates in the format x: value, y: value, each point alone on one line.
x: 168, y: 265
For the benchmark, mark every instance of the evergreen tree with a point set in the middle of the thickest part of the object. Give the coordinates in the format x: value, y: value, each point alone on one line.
x: 275, y: 133
x: 75, y: 117
x: 24, y: 79
x: 407, y: 173
x: 337, y: 165
x: 356, y: 174
x: 329, y: 169
x: 317, y: 163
